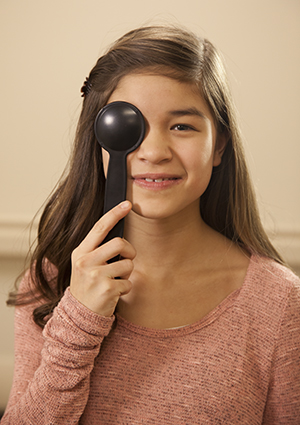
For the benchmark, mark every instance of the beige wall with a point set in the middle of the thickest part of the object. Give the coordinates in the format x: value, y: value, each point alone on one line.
x: 47, y: 50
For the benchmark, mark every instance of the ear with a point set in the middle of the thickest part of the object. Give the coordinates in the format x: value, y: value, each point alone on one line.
x: 221, y: 143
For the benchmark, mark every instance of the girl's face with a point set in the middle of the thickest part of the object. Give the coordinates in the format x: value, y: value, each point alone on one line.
x: 172, y: 167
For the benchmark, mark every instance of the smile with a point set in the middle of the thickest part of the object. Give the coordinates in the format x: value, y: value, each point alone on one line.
x: 156, y: 182
x: 159, y: 180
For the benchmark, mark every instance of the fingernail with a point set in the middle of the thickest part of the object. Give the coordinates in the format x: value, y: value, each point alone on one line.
x: 125, y: 205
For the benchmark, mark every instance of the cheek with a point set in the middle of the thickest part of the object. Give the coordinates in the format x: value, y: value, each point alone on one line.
x: 105, y: 160
x: 198, y: 164
x: 197, y: 159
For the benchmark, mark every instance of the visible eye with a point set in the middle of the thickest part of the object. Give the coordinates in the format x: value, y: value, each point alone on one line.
x: 183, y: 127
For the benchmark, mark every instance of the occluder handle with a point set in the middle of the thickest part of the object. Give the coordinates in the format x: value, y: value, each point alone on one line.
x: 115, y: 191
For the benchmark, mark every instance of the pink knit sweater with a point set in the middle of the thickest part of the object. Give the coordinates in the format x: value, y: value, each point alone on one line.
x: 238, y: 365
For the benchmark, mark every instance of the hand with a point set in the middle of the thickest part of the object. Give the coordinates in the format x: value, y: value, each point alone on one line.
x: 93, y: 280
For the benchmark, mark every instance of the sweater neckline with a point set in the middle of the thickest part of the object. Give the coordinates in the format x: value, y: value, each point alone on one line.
x: 209, y: 318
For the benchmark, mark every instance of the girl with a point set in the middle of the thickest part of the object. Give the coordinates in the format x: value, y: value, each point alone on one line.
x: 202, y: 326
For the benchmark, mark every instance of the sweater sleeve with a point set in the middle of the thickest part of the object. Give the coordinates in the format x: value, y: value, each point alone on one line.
x: 283, y: 404
x: 53, y: 366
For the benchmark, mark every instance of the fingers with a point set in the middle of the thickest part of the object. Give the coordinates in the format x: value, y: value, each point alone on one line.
x: 93, y: 281
x: 115, y: 247
x: 104, y: 298
x: 95, y: 285
x: 120, y: 269
x: 103, y: 226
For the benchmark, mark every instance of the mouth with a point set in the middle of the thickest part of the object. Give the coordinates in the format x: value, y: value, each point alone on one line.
x: 156, y: 182
x: 159, y: 180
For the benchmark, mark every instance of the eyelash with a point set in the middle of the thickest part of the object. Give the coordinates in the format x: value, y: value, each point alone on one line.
x: 185, y: 127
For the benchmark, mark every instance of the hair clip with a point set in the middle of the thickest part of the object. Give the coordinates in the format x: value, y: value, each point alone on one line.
x: 86, y: 88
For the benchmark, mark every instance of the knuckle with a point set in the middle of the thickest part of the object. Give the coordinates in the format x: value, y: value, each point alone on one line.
x: 119, y: 243
x: 127, y: 286
x: 95, y: 274
x: 99, y: 226
x: 79, y: 264
x: 112, y: 215
x: 128, y: 264
x: 109, y: 288
x: 115, y: 212
x: 132, y: 252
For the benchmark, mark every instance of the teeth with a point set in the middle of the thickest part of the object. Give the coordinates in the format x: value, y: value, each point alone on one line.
x: 155, y: 180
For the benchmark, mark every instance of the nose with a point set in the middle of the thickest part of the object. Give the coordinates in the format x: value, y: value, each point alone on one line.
x: 155, y: 147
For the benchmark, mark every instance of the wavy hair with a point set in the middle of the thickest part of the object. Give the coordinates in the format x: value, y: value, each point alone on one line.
x: 228, y: 204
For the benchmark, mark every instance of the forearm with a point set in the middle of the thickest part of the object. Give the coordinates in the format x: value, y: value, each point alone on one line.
x: 59, y: 388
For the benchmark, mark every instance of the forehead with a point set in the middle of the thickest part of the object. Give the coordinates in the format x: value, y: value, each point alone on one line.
x: 149, y: 90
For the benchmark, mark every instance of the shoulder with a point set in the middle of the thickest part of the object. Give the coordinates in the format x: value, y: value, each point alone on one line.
x: 267, y: 309
x: 267, y: 274
x: 31, y: 294
x: 270, y: 290
x: 28, y: 283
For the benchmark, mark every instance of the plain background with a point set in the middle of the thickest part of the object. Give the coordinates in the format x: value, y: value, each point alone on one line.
x: 49, y: 47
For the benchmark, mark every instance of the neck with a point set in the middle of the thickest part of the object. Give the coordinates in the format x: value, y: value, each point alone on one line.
x: 176, y: 240
x: 182, y: 270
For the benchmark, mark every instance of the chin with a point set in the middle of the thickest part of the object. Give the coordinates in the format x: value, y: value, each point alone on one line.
x: 158, y: 211
x: 154, y: 212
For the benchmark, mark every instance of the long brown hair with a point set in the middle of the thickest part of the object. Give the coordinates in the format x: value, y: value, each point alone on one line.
x: 228, y: 204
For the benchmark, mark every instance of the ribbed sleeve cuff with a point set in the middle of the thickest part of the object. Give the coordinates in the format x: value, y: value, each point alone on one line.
x: 85, y: 319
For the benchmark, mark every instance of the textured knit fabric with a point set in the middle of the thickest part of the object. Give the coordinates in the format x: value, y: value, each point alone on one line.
x: 238, y: 365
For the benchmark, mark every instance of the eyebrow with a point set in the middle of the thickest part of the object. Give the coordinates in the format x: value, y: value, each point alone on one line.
x: 188, y: 111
